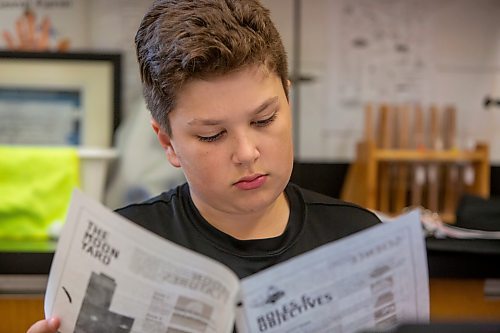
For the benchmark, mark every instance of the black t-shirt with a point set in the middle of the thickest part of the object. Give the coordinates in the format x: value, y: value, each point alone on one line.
x: 314, y: 220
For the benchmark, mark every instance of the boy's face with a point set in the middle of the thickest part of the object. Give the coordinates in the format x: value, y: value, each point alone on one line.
x: 232, y: 135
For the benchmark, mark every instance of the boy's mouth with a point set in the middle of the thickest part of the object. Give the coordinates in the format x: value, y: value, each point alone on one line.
x: 251, y: 182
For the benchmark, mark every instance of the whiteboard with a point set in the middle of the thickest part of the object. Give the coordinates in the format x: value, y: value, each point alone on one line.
x: 442, y: 52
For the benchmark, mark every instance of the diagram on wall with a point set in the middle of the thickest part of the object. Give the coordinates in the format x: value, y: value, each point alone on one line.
x: 405, y: 52
x: 384, y: 52
x: 43, y: 25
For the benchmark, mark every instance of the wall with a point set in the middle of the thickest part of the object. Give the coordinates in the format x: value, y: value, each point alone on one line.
x: 444, y: 52
x: 356, y: 50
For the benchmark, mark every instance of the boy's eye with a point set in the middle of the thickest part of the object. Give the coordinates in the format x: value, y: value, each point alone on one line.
x: 211, y: 138
x: 265, y: 122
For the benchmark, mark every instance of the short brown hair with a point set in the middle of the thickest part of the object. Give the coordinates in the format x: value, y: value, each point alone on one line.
x: 181, y: 40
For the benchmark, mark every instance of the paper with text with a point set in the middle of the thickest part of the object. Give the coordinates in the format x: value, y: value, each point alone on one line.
x: 374, y: 278
x: 109, y: 274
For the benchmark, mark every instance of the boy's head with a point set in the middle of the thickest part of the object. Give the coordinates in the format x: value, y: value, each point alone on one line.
x: 181, y: 40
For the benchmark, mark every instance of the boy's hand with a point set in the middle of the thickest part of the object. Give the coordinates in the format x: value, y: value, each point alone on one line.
x: 45, y: 326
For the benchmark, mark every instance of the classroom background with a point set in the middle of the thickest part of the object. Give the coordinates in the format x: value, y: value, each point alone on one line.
x: 396, y: 104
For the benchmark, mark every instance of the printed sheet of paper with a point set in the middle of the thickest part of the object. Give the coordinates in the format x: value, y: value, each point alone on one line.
x: 374, y: 278
x: 108, y: 274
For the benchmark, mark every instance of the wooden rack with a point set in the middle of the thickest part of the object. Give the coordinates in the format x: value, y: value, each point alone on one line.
x: 396, y: 167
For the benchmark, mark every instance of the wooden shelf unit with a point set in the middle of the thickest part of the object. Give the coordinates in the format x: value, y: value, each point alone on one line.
x: 383, y: 175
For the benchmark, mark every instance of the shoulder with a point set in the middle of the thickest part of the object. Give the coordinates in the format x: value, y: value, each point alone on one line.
x: 155, y: 210
x: 330, y: 210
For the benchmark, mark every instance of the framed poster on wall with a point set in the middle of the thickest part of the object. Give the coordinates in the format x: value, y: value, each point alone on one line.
x: 59, y: 98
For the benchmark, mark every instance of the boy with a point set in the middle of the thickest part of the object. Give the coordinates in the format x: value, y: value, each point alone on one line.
x: 214, y: 74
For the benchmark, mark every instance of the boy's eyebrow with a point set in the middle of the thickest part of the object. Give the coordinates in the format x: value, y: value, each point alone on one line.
x: 212, y: 122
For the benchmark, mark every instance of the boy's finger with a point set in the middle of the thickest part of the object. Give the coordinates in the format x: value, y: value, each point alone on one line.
x: 45, y: 326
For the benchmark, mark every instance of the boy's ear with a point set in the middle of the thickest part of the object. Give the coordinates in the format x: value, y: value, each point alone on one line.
x: 166, y: 142
x: 289, y: 87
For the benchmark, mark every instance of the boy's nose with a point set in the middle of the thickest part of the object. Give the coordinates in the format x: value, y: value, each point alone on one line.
x: 245, y: 150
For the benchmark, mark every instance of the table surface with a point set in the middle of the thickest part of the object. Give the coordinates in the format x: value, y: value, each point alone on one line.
x: 462, y: 258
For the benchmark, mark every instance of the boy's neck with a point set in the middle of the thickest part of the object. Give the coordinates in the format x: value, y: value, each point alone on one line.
x: 268, y: 223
